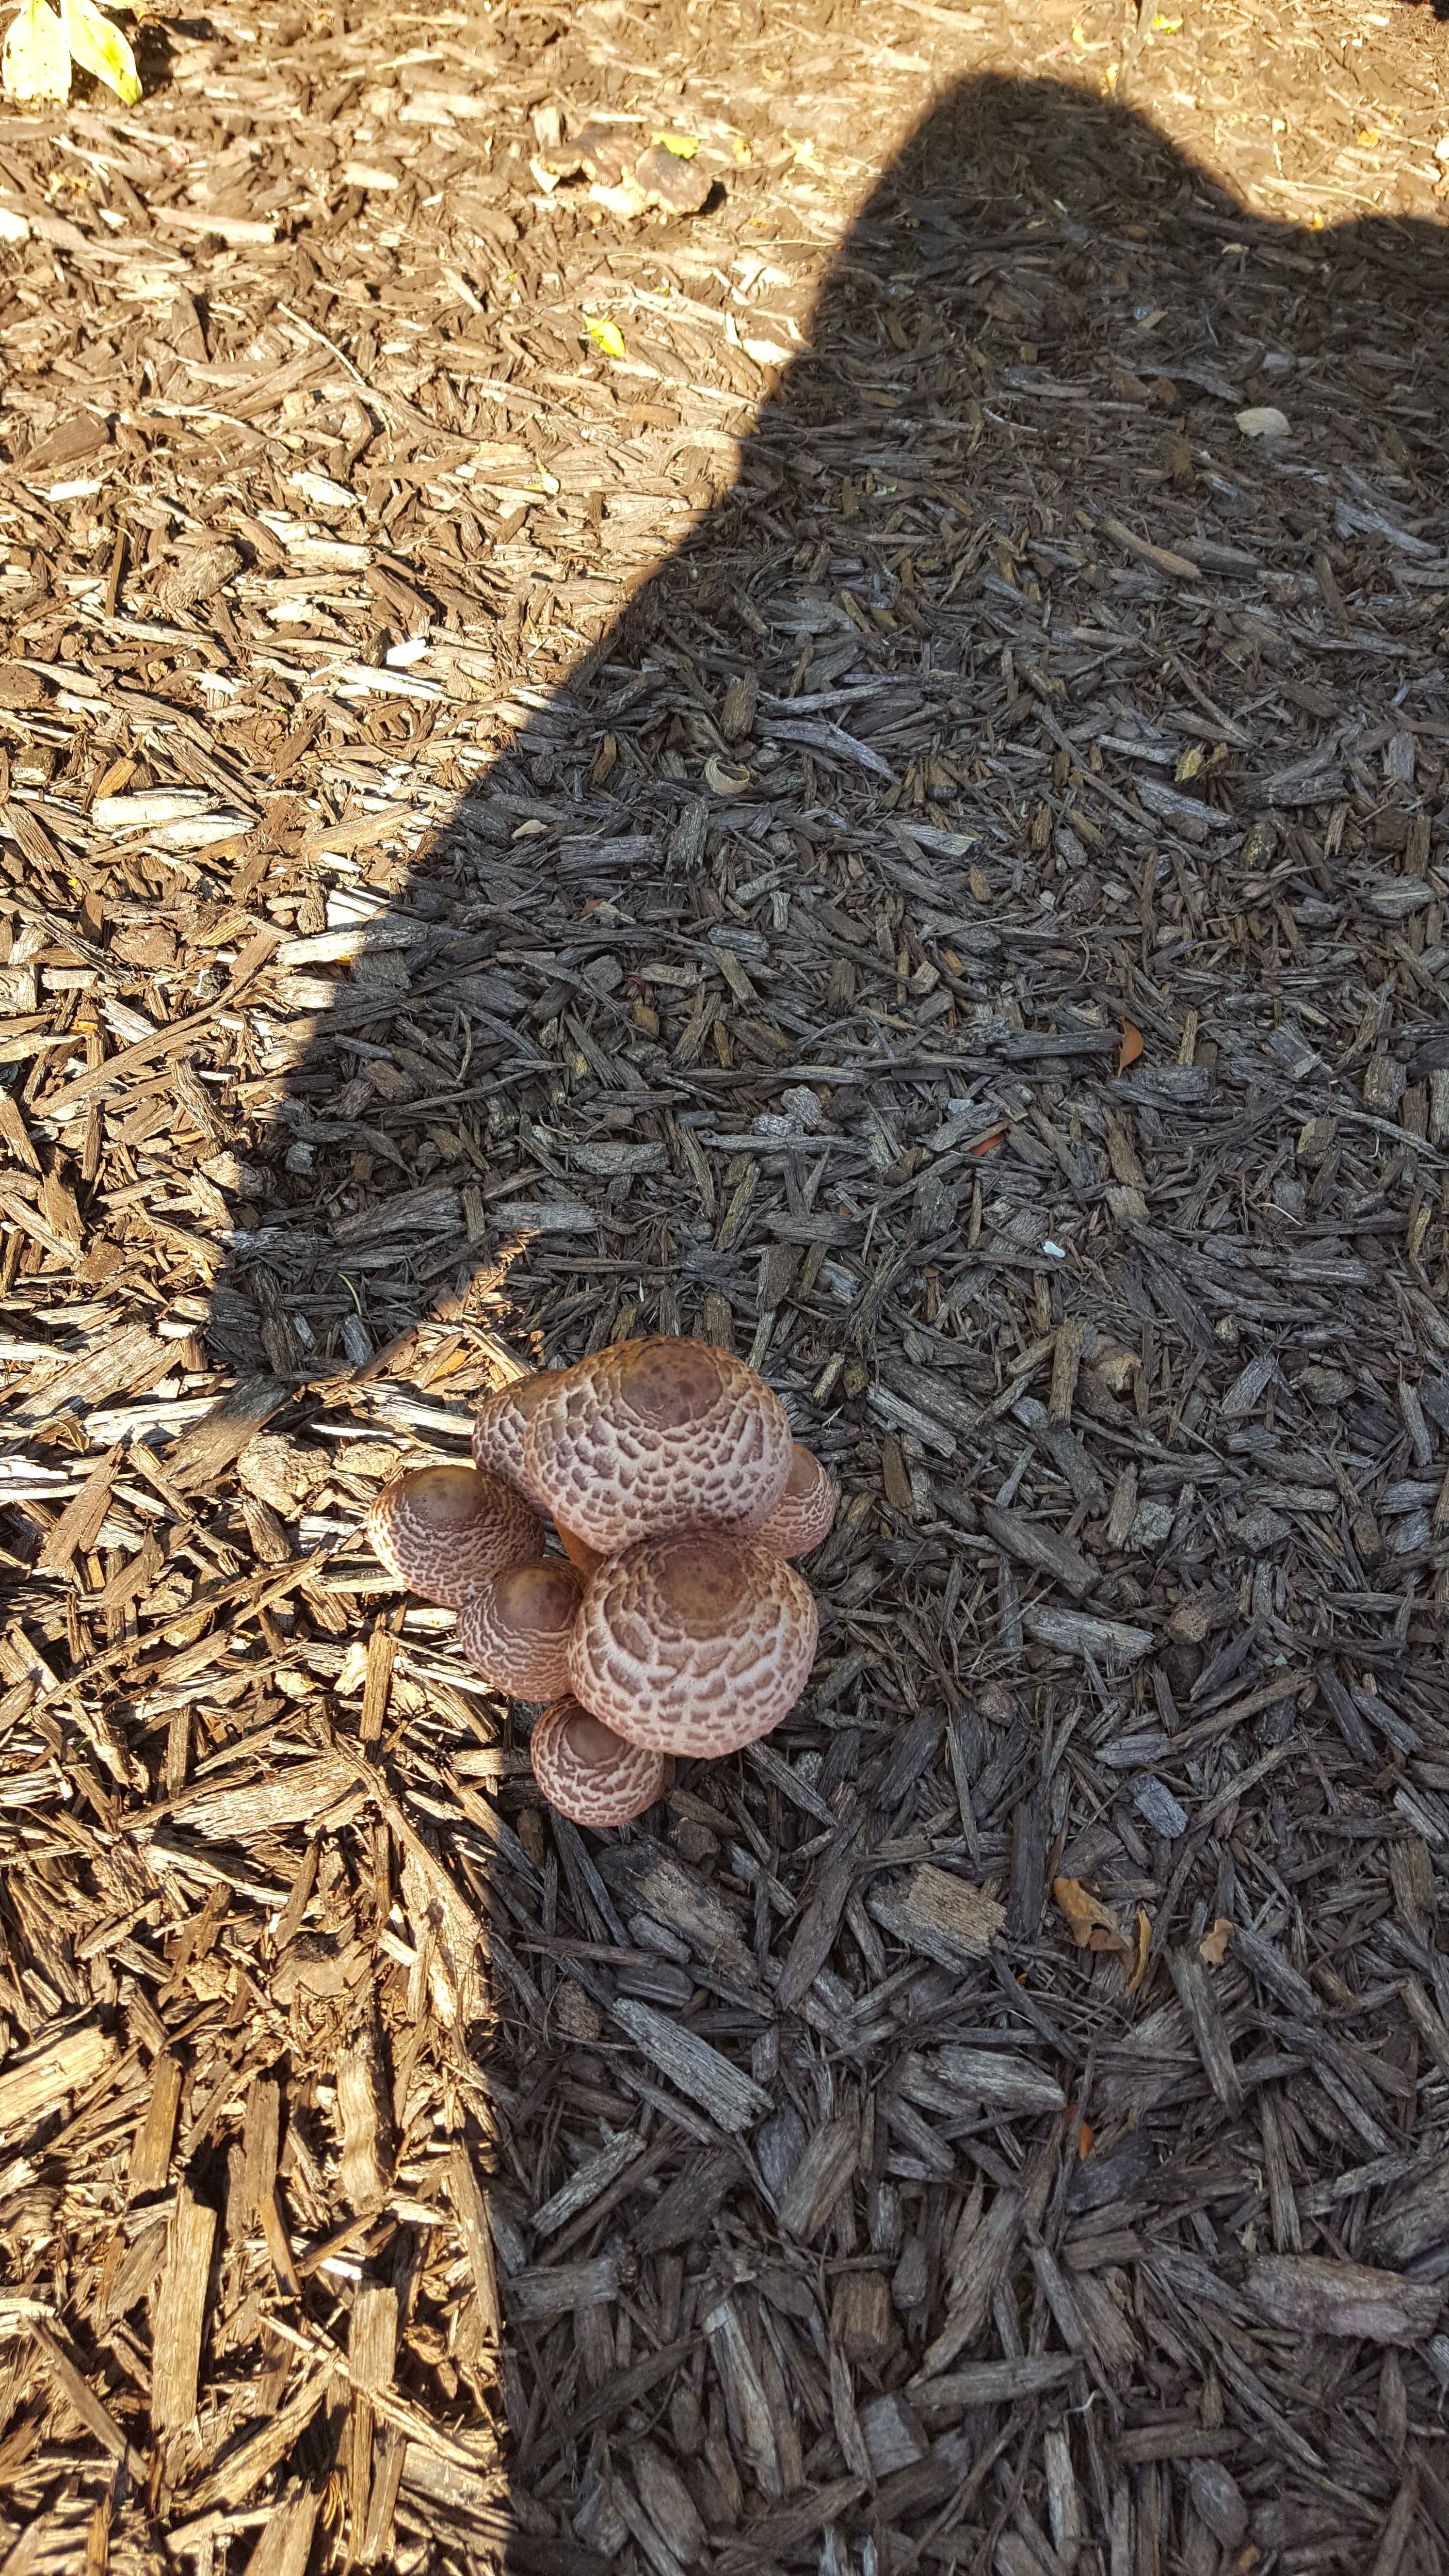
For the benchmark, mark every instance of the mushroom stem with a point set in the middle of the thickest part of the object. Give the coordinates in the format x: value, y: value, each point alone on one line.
x: 588, y: 1772
x: 578, y: 1551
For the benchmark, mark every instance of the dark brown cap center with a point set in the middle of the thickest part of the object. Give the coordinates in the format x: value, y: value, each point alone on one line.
x: 671, y: 1384
x: 701, y: 1581
x: 448, y: 1498
x: 541, y: 1598
x: 590, y: 1740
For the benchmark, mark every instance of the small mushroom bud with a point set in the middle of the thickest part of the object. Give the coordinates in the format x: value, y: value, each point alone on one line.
x: 698, y: 1642
x: 644, y: 1437
x: 588, y: 1772
x: 514, y: 1629
x: 445, y: 1530
x: 805, y: 1512
x: 501, y: 1421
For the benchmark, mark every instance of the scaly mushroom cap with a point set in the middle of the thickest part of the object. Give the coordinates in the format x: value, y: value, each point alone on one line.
x: 588, y: 1772
x: 696, y: 1643
x: 501, y: 1421
x: 805, y: 1512
x: 515, y: 1628
x: 650, y: 1436
x: 445, y: 1530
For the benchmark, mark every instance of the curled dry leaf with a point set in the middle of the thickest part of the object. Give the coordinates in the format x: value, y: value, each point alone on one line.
x: 1092, y: 1927
x: 1131, y: 1046
x: 1263, y: 420
x: 1213, y: 1947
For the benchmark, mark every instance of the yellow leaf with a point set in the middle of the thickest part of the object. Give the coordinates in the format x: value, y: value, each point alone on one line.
x: 1166, y: 26
x: 605, y: 335
x: 741, y: 150
x: 1213, y: 1947
x: 683, y: 146
x: 1369, y: 135
x: 36, y: 61
x: 102, y: 50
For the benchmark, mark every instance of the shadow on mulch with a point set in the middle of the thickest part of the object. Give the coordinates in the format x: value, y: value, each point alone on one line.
x: 720, y: 889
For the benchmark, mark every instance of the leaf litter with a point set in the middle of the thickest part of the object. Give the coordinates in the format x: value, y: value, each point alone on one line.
x: 515, y: 838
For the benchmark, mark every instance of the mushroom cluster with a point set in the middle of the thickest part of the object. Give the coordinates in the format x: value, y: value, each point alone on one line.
x: 674, y: 1622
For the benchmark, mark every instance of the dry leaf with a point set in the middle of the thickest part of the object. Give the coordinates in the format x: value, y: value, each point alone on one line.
x: 1092, y: 1927
x: 1263, y: 420
x: 1131, y: 1046
x: 1144, y: 1944
x: 1213, y: 1947
x: 987, y: 1144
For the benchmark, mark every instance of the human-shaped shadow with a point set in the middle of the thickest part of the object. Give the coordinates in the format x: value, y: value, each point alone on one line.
x: 1043, y: 318
x: 881, y: 798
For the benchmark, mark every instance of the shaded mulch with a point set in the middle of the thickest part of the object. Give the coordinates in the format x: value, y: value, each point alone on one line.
x: 880, y: 827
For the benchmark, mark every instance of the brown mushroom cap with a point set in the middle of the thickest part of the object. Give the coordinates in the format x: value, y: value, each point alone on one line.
x: 588, y: 1772
x: 445, y: 1530
x: 649, y: 1436
x: 805, y: 1512
x: 515, y: 1628
x: 501, y: 1421
x: 667, y: 179
x: 697, y: 1642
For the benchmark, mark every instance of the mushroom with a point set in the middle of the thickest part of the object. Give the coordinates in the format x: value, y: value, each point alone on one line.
x: 588, y: 1772
x: 515, y: 1628
x: 805, y: 1512
x: 602, y: 152
x: 697, y: 1642
x: 445, y: 1530
x: 671, y: 179
x: 498, y: 1447
x: 645, y: 1437
x: 500, y: 1423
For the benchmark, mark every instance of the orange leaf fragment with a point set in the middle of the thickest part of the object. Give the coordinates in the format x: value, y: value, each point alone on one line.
x: 1143, y: 1939
x: 987, y: 1144
x: 1213, y: 1947
x: 1092, y: 1927
x: 1086, y: 2134
x: 1130, y: 1048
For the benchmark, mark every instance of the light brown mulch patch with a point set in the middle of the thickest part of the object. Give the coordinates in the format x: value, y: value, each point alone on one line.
x: 883, y: 828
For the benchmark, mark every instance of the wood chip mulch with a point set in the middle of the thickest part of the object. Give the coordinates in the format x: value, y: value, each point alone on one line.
x: 788, y: 772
